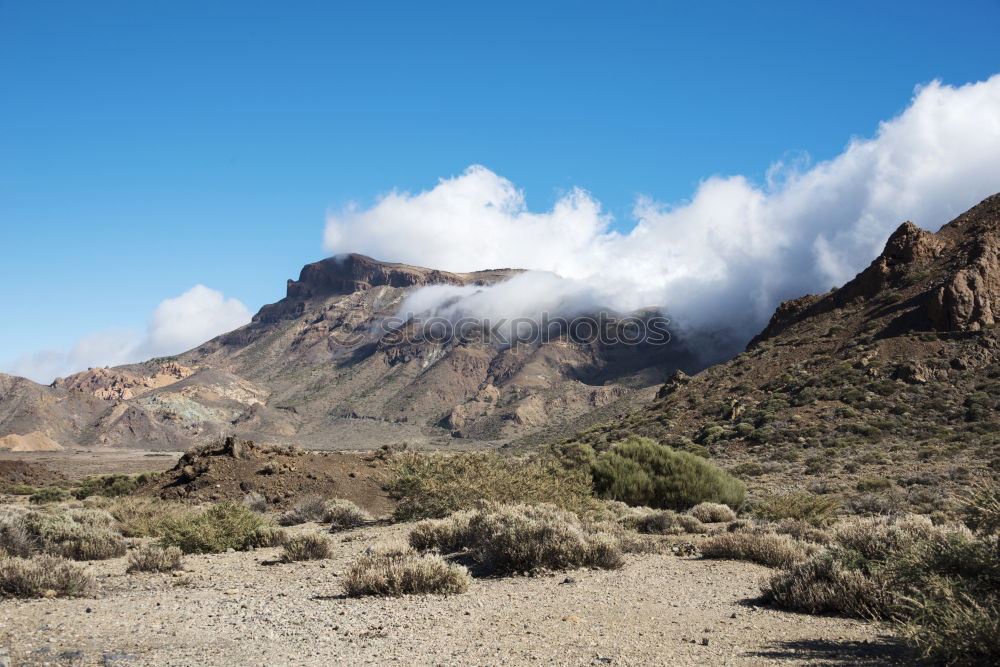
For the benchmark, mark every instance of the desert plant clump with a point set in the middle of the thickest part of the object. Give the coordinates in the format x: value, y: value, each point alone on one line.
x: 825, y: 585
x: 442, y: 535
x: 48, y: 494
x: 112, y: 486
x: 816, y: 510
x: 153, y: 558
x: 432, y: 486
x: 143, y: 517
x: 768, y: 549
x: 342, y: 514
x: 255, y: 502
x: 306, y: 547
x: 76, y: 533
x: 266, y: 536
x: 310, y: 508
x: 504, y: 539
x: 712, y: 513
x: 43, y: 576
x: 223, y: 526
x: 641, y: 471
x: 394, y: 572
x: 663, y: 522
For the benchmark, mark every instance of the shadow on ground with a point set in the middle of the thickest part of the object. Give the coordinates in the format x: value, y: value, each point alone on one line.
x: 882, y: 651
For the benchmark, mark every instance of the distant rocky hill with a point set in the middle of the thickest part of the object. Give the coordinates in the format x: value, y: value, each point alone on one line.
x: 316, y: 369
x: 887, y: 387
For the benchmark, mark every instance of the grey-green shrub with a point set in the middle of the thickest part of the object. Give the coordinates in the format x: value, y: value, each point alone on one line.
x: 154, y: 558
x: 401, y: 571
x: 712, y: 512
x: 768, y: 549
x: 640, y: 471
x: 35, y: 577
x: 223, y: 526
x: 523, y: 538
x: 306, y: 547
x: 342, y: 514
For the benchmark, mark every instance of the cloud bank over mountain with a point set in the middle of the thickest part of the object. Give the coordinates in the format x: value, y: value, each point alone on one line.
x: 722, y: 260
x: 176, y: 325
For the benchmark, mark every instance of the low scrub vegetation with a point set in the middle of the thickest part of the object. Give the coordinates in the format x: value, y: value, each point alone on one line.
x: 342, y: 514
x: 76, y: 533
x: 306, y: 547
x: 112, y: 486
x: 941, y: 583
x: 154, y: 558
x: 504, y: 539
x: 765, y: 548
x: 223, y: 526
x: 712, y: 513
x: 143, y: 517
x: 815, y: 510
x: 401, y: 571
x: 43, y: 576
x: 640, y: 471
x: 436, y: 485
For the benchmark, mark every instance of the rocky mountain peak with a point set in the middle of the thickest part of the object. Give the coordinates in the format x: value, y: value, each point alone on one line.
x: 946, y: 281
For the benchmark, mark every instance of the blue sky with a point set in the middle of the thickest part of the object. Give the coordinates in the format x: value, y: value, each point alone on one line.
x: 149, y: 147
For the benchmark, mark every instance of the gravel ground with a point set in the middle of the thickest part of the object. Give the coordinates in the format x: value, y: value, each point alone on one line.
x: 246, y: 608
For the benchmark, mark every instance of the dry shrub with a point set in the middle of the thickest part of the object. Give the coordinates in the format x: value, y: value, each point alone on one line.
x: 153, y: 558
x: 764, y: 548
x: 815, y: 510
x: 255, y: 502
x: 801, y: 530
x: 823, y: 585
x: 35, y: 577
x: 15, y: 538
x: 665, y: 522
x: 77, y: 533
x: 310, y: 508
x: 307, y: 547
x: 442, y: 535
x: 342, y: 514
x: 143, y: 517
x: 881, y: 538
x: 267, y: 536
x: 432, y: 486
x: 525, y: 538
x: 401, y: 571
x: 712, y: 513
x: 981, y: 506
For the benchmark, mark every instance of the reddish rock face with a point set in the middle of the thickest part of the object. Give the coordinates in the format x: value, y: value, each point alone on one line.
x: 949, y: 281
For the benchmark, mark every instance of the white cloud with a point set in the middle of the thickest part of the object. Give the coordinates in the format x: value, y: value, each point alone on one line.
x: 728, y: 256
x: 176, y: 325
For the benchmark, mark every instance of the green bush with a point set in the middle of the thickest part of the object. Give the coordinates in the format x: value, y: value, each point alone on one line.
x: 48, y: 494
x: 112, y: 486
x: 223, y: 526
x: 435, y: 485
x: 640, y: 471
x: 80, y: 534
